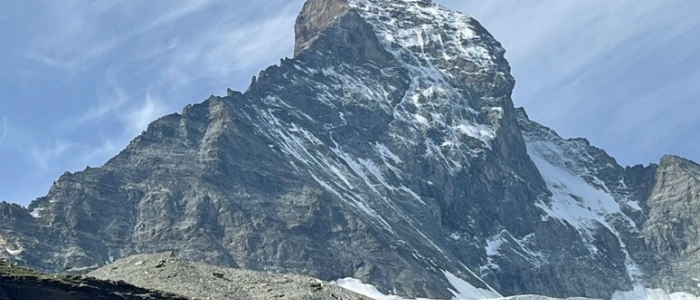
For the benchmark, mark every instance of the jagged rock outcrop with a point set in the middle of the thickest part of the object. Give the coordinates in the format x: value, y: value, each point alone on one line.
x: 673, y: 223
x: 314, y: 18
x: 388, y: 149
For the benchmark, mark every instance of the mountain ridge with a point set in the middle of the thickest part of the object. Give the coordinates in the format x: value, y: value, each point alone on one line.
x: 391, y: 128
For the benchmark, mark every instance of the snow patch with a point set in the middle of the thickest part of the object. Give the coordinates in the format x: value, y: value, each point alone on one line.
x: 634, y: 205
x: 641, y: 293
x: 386, y: 153
x: 422, y: 120
x: 412, y: 194
x: 430, y: 241
x: 478, y: 131
x: 82, y: 269
x: 493, y: 245
x: 36, y: 213
x: 574, y: 201
x: 465, y: 291
x: 12, y: 252
x: 368, y: 290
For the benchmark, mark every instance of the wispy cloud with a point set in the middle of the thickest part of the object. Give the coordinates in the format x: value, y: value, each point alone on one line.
x: 238, y: 45
x: 97, y: 155
x: 251, y: 45
x: 179, y: 12
x: 109, y: 103
x: 565, y: 36
x: 677, y: 113
x: 609, y: 64
x: 70, y: 35
x: 45, y: 156
x: 138, y: 119
x: 52, y: 62
x: 91, y: 38
x: 104, y: 109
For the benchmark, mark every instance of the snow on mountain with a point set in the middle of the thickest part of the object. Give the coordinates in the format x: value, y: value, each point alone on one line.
x: 589, y: 193
x: 13, y: 252
x: 465, y: 291
x: 576, y: 202
x: 388, y: 150
x: 641, y: 293
x: 430, y: 40
x: 461, y: 289
x: 579, y: 197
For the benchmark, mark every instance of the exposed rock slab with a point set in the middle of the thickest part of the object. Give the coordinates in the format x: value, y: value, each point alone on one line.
x: 672, y: 230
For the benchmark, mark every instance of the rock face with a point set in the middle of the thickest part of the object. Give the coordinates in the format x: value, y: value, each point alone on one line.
x: 388, y: 150
x: 314, y: 18
x: 673, y: 223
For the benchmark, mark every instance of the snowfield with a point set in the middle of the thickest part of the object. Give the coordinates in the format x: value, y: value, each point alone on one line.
x: 465, y: 291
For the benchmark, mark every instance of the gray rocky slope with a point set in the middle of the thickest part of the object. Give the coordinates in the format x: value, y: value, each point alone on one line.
x: 388, y: 149
x: 19, y: 283
x: 201, y: 281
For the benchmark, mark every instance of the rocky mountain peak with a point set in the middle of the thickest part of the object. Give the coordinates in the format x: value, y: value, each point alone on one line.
x: 677, y: 161
x: 388, y: 150
x: 416, y: 32
x: 451, y: 72
x: 315, y: 16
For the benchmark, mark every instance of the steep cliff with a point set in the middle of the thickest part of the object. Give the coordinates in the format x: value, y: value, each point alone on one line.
x: 673, y: 224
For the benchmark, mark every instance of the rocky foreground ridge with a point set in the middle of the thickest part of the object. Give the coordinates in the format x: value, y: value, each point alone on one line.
x: 388, y: 150
x: 164, y: 276
x: 201, y: 281
x: 19, y: 283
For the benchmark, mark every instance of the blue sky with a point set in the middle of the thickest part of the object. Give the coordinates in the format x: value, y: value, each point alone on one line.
x: 81, y: 78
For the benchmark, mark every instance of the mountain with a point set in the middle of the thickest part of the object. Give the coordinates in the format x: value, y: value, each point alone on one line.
x: 388, y: 150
